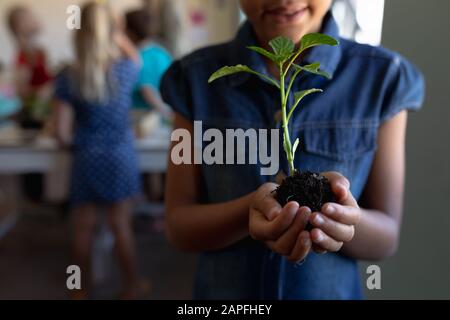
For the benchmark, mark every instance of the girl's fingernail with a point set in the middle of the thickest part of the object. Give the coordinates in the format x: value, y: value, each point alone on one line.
x: 318, y: 220
x: 306, y: 242
x: 306, y: 209
x: 329, y: 209
x: 299, y: 263
x: 319, y: 237
x: 305, y: 212
x: 344, y: 184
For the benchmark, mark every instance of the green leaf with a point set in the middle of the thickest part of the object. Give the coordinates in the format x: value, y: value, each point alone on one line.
x: 317, y: 39
x: 313, y: 68
x: 294, y: 148
x: 264, y: 52
x: 229, y: 70
x: 298, y: 96
x: 282, y: 47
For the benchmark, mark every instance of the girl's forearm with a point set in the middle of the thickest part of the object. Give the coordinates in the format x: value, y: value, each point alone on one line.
x: 376, y: 237
x: 62, y: 119
x: 153, y: 98
x: 127, y: 48
x: 209, y: 227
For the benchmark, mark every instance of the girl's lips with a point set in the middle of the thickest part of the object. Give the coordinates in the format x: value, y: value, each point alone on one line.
x: 285, y: 16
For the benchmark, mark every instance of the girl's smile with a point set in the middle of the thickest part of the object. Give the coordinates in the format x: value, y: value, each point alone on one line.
x: 288, y: 14
x: 289, y: 18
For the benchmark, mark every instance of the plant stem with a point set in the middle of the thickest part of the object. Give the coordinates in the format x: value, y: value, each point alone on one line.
x: 291, y: 62
x: 287, y: 140
x: 291, y: 82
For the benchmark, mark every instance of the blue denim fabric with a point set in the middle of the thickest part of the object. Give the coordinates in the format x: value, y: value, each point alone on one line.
x: 338, y: 132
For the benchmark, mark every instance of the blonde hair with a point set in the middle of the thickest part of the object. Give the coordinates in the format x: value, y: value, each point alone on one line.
x: 95, y: 51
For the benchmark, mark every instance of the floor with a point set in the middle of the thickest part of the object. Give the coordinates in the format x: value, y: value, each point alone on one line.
x: 34, y: 258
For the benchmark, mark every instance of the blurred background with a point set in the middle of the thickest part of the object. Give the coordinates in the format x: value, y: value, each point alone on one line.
x: 34, y: 170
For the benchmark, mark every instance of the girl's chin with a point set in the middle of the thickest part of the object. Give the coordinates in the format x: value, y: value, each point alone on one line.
x: 295, y: 34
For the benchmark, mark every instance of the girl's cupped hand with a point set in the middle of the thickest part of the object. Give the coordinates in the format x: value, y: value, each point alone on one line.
x: 283, y: 229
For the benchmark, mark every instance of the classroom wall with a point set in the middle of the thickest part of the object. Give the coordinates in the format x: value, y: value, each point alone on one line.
x: 56, y: 37
x: 221, y: 23
x: 421, y: 269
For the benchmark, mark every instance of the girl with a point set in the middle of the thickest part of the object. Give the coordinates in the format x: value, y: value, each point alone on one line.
x: 356, y: 127
x: 105, y: 173
x: 9, y: 102
x: 33, y: 78
x: 33, y: 82
x: 155, y: 62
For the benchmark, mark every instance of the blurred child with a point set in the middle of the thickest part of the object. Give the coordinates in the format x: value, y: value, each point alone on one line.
x: 105, y: 172
x: 9, y: 102
x: 155, y: 61
x: 169, y: 24
x: 33, y: 83
x: 249, y: 244
x: 33, y: 79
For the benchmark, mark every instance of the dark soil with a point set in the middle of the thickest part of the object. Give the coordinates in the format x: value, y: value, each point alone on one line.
x: 308, y: 188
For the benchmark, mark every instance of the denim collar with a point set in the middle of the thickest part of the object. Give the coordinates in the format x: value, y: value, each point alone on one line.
x: 328, y: 56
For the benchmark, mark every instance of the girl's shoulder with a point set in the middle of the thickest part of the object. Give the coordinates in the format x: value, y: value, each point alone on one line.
x: 126, y: 69
x: 394, y: 79
x: 207, y: 58
x: 376, y: 58
x: 188, y: 77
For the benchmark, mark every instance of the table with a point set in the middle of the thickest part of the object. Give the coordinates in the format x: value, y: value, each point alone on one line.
x: 42, y: 155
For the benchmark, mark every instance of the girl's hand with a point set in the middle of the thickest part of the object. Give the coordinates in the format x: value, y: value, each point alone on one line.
x: 282, y: 229
x: 335, y: 224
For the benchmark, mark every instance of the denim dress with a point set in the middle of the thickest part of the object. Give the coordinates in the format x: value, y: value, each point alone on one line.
x: 338, y: 132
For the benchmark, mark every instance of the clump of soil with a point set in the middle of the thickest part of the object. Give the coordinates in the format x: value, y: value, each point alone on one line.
x: 308, y: 188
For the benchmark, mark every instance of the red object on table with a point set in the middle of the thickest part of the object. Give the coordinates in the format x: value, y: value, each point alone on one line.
x: 38, y: 66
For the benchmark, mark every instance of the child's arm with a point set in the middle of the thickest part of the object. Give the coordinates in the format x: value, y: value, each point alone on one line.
x: 123, y: 42
x: 62, y: 122
x: 153, y: 98
x: 202, y: 227
x: 126, y: 47
x: 196, y: 227
x: 376, y: 234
